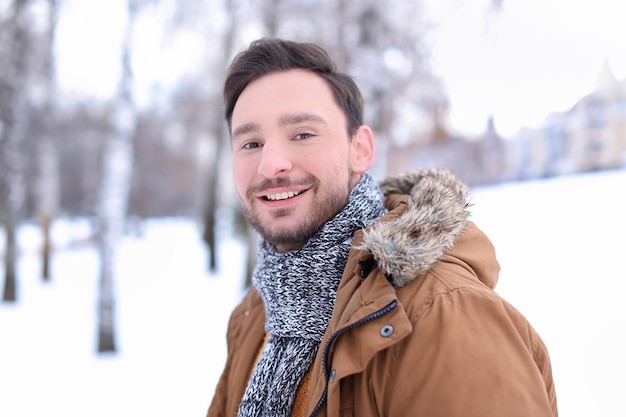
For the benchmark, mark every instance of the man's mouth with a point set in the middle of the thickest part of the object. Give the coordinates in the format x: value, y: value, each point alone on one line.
x: 282, y: 196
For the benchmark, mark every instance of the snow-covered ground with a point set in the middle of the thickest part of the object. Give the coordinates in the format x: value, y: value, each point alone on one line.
x: 560, y: 243
x: 171, y: 317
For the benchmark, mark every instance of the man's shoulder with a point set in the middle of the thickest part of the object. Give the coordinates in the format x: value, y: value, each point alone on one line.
x: 250, y: 305
x: 251, y: 300
x: 247, y: 319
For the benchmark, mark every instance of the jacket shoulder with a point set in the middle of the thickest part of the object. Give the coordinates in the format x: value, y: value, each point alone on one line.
x: 247, y: 319
x: 245, y: 334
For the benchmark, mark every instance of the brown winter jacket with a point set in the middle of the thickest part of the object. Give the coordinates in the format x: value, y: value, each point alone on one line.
x: 417, y: 329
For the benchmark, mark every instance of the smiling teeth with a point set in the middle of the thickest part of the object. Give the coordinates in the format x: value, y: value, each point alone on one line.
x: 282, y: 196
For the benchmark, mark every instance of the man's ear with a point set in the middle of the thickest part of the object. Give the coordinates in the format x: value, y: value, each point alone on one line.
x: 362, y: 150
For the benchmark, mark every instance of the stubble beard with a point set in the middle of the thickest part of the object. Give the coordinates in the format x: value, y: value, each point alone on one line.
x: 320, y: 211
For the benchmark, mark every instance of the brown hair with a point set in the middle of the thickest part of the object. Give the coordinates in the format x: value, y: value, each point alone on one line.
x: 265, y: 56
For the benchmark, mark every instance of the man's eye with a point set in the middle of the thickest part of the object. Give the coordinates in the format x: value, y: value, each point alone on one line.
x: 301, y: 136
x: 251, y: 145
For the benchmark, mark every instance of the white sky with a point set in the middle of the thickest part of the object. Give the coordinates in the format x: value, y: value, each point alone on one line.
x: 89, y: 35
x: 536, y: 57
x: 89, y: 38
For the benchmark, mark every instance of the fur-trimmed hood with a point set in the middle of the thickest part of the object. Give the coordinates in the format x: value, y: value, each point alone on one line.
x: 409, y: 244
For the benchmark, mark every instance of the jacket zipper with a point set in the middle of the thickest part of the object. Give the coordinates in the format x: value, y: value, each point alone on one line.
x: 366, y: 319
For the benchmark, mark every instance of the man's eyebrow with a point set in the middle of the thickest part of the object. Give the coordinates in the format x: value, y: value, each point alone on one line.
x: 287, y: 119
x: 292, y: 119
x: 246, y: 128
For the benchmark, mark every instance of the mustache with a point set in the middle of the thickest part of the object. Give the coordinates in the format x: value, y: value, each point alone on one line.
x: 268, y: 183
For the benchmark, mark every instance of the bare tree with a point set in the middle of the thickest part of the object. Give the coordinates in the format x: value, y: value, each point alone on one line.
x: 214, y: 169
x: 14, y: 70
x: 220, y: 136
x: 48, y: 184
x: 115, y: 188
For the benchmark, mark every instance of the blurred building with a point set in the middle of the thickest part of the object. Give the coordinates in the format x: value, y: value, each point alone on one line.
x: 590, y: 136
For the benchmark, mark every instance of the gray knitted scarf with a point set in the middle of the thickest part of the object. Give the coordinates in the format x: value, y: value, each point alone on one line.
x: 298, y: 289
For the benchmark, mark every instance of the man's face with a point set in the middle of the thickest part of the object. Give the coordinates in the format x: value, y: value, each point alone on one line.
x: 292, y: 158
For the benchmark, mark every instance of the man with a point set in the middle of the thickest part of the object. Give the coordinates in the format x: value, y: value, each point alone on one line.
x: 368, y: 300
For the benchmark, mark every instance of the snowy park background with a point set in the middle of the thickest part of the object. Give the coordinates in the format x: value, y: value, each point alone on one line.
x: 560, y: 243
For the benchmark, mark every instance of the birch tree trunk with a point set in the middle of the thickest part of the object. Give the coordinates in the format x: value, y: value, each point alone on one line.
x: 115, y: 190
x: 48, y: 183
x: 13, y: 74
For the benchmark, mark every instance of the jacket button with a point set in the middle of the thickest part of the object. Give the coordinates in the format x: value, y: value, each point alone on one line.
x: 386, y: 331
x: 331, y: 378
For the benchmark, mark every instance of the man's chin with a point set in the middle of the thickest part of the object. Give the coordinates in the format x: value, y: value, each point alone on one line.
x: 294, y: 237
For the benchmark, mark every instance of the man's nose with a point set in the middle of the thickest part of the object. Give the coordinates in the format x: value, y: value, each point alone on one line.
x: 275, y: 160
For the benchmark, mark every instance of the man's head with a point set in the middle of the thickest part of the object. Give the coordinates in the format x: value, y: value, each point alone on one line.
x: 296, y: 153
